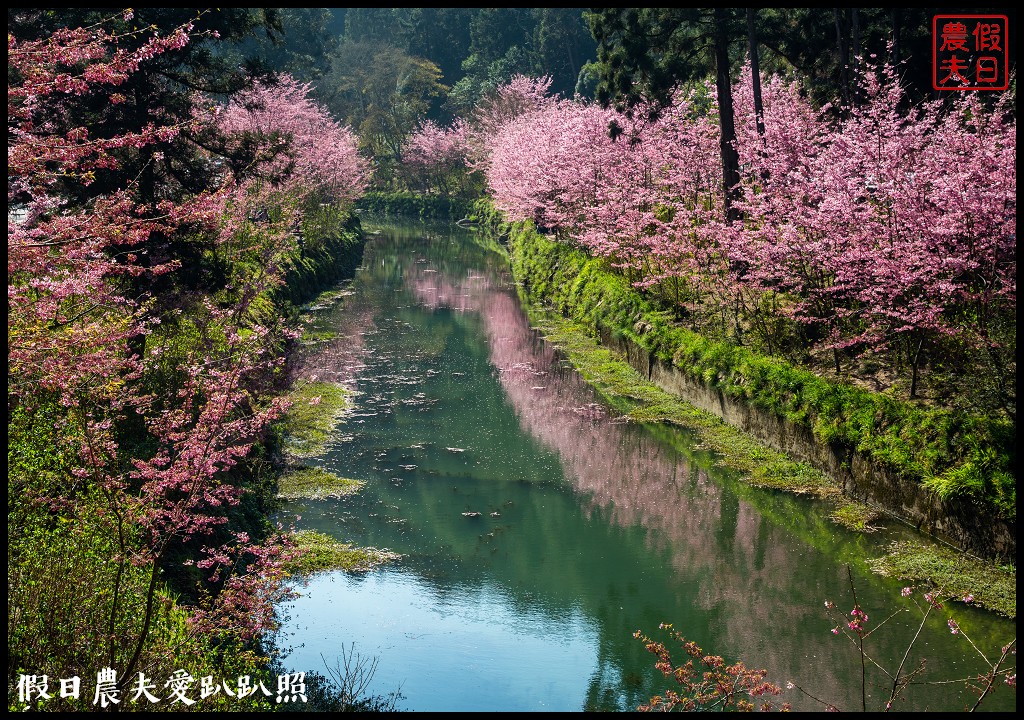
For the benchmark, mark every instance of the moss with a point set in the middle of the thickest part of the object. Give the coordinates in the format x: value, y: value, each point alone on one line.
x: 953, y: 574
x: 310, y: 483
x: 856, y: 516
x: 333, y: 248
x: 328, y: 298
x: 321, y: 553
x: 952, y: 452
x: 631, y: 394
x: 315, y: 411
x: 317, y: 337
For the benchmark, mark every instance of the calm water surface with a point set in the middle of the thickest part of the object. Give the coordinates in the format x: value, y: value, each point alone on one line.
x: 539, y: 531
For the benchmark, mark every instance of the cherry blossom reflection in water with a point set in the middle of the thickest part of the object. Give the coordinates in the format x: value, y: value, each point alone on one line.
x: 750, y: 570
x: 538, y: 599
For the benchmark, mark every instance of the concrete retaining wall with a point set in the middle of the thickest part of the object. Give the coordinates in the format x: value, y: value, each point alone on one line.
x: 960, y: 523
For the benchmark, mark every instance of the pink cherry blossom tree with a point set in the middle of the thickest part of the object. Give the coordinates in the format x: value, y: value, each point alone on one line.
x: 300, y: 146
x: 879, y: 233
x: 887, y: 227
x: 436, y: 158
x: 71, y: 327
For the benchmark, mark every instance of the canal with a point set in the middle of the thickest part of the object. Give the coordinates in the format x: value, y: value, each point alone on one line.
x: 538, y: 531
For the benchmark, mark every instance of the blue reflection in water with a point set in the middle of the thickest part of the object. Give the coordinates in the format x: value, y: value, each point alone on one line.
x: 468, y: 649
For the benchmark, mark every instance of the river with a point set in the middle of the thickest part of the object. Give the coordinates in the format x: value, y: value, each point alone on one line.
x: 538, y: 530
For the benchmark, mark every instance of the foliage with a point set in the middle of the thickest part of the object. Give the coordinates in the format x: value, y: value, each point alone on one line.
x: 440, y: 35
x: 410, y: 204
x: 479, y: 49
x: 62, y: 612
x: 302, y: 43
x: 824, y: 47
x: 706, y: 682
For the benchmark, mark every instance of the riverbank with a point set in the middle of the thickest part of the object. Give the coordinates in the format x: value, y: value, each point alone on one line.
x: 612, y: 336
x: 411, y: 205
x: 331, y: 252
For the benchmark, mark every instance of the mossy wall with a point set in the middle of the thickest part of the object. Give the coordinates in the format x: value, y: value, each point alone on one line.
x: 409, y: 204
x: 330, y: 254
x: 880, y: 449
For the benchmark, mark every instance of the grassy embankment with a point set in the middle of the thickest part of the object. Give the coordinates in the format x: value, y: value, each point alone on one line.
x: 570, y: 295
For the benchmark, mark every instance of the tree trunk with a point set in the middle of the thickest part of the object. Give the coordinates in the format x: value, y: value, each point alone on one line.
x: 755, y: 72
x: 914, y: 360
x: 897, y: 22
x: 730, y: 158
x: 855, y: 38
x: 842, y: 52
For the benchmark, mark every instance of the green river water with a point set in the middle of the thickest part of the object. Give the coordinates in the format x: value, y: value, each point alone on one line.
x: 538, y: 531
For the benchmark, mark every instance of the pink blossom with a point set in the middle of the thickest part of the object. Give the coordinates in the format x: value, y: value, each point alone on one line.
x: 307, y: 149
x: 66, y: 270
x: 864, y: 225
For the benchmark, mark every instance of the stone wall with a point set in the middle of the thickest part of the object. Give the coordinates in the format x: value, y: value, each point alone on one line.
x: 957, y: 522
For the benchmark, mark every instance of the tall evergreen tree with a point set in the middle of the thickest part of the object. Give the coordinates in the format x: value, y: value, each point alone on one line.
x: 645, y: 54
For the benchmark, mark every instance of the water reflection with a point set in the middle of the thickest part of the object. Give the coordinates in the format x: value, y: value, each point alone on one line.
x: 540, y: 530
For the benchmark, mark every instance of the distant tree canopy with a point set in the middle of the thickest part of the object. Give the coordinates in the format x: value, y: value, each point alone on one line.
x: 303, y: 46
x: 478, y: 49
x: 383, y: 92
x: 660, y: 47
